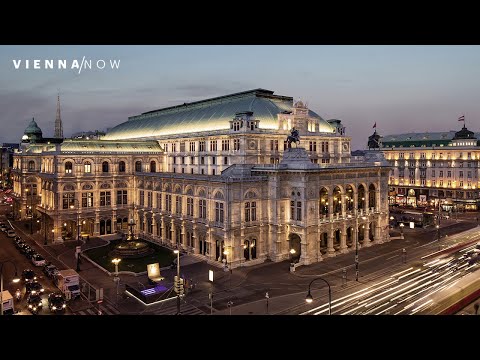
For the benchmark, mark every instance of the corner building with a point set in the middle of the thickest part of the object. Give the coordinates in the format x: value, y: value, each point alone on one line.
x: 216, y: 179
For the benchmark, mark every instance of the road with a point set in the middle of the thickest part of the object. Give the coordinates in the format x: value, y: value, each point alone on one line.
x: 409, y: 291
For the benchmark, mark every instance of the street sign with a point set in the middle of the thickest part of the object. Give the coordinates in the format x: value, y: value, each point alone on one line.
x: 210, y: 275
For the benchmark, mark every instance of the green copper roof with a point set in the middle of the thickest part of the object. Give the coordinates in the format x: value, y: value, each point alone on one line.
x: 208, y: 115
x: 33, y: 128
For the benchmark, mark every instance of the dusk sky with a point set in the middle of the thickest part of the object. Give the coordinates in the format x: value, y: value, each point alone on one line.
x: 401, y: 88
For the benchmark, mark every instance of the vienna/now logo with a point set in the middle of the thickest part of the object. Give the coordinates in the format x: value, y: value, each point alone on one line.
x: 63, y: 64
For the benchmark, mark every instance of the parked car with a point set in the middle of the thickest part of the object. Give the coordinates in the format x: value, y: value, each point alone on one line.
x: 34, y: 303
x: 25, y: 248
x: 56, y: 302
x: 30, y: 253
x: 38, y: 260
x: 29, y: 275
x: 11, y: 233
x: 3, y: 227
x: 19, y: 243
x: 34, y: 287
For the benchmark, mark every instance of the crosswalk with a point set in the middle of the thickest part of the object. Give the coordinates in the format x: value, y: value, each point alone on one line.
x: 185, y: 309
x: 105, y: 308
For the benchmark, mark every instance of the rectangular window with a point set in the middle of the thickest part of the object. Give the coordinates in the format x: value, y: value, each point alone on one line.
x: 183, y: 160
x: 225, y: 160
x: 449, y: 174
x: 168, y: 202
x: 412, y: 173
x: 214, y: 172
x: 149, y: 199
x: 299, y: 211
x: 225, y: 145
x: 202, y: 160
x: 449, y: 183
x: 441, y: 173
x: 401, y: 156
x: 190, y: 206
x: 159, y: 201
x: 68, y: 200
x: 236, y: 144
x: 441, y: 182
x: 141, y: 196
x: 87, y: 199
x: 105, y: 198
x: 219, y: 215
x: 433, y: 182
x: 422, y: 155
x: 412, y: 155
x: 469, y: 164
x: 469, y: 174
x: 274, y: 145
x: 201, y: 145
x: 88, y: 168
x: 182, y: 146
x: 214, y: 160
x: 422, y: 181
x: 174, y: 147
x: 192, y: 146
x: 313, y: 146
x: 213, y: 145
x: 178, y: 204
x: 202, y: 209
x: 461, y: 183
x: 460, y: 174
x: 122, y: 197
x: 192, y: 160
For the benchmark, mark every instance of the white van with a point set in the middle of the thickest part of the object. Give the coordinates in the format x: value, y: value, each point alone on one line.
x: 7, y: 299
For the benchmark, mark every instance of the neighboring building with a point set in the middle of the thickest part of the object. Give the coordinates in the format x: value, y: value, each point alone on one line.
x: 6, y: 163
x: 432, y: 169
x: 215, y: 178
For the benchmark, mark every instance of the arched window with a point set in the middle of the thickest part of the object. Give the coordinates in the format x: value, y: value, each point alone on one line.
x: 68, y: 167
x: 153, y: 166
x: 88, y: 167
x: 323, y: 208
x: 121, y: 166
x: 371, y: 196
x: 105, y: 167
x: 31, y: 165
x: 138, y: 166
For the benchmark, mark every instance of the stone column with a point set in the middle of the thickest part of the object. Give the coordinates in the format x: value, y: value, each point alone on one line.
x: 366, y: 233
x: 377, y: 236
x: 330, y: 207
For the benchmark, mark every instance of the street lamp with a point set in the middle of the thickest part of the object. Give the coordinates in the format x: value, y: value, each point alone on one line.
x: 401, y: 230
x: 309, y: 298
x: 15, y: 280
x: 78, y: 217
x: 438, y: 232
x: 225, y: 252
x: 116, y: 261
x: 176, y: 251
x: 31, y: 206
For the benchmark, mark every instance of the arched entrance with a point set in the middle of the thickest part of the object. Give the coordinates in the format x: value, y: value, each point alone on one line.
x: 246, y: 250
x: 336, y: 239
x: 202, y: 244
x: 361, y: 229
x: 371, y: 196
x: 350, y: 236
x: 295, y: 244
x: 361, y: 197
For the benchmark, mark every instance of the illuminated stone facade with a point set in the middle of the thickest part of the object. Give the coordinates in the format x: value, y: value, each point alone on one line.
x: 432, y: 169
x: 231, y: 193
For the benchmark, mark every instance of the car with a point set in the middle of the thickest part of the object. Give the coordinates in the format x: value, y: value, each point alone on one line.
x: 11, y: 233
x: 25, y: 248
x: 38, y: 260
x: 30, y: 253
x: 3, y: 227
x: 56, y: 302
x: 34, y: 287
x: 50, y: 270
x: 34, y: 303
x: 29, y: 275
x: 19, y: 243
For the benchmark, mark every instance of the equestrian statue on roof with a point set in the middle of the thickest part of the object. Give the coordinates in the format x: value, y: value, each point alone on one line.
x: 294, y: 137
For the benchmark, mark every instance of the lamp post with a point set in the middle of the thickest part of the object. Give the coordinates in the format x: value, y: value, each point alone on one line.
x: 44, y: 215
x: 176, y: 251
x: 30, y: 193
x: 15, y: 279
x: 228, y: 267
x: 116, y: 278
x: 401, y: 230
x: 356, y: 257
x: 309, y: 298
x: 438, y: 232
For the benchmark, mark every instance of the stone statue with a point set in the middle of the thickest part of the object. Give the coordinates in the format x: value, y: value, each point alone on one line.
x: 294, y: 137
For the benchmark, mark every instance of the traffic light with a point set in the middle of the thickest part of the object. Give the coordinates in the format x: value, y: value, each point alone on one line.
x: 176, y: 284
x: 181, y: 287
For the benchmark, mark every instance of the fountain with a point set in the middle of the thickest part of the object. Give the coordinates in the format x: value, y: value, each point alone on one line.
x: 131, y: 247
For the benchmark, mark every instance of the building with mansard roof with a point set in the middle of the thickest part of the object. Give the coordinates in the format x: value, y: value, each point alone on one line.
x: 215, y: 178
x: 434, y: 169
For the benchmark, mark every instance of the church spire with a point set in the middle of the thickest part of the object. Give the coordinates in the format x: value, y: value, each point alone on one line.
x: 58, y: 121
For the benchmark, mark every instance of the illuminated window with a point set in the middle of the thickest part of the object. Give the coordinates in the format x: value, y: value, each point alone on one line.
x: 88, y: 167
x: 68, y: 167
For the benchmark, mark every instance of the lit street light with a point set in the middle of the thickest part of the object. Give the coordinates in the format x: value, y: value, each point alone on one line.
x: 309, y: 298
x: 116, y: 261
x: 15, y: 280
x: 438, y: 232
x: 401, y: 230
x: 176, y: 251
